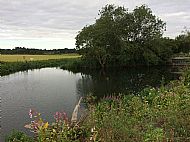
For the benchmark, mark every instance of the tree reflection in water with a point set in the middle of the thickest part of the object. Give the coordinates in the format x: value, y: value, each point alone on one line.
x: 115, y: 81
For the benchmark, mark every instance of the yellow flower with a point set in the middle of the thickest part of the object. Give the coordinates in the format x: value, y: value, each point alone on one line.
x: 45, y: 125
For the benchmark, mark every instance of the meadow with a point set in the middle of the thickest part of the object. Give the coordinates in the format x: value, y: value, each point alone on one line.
x: 14, y: 63
x: 21, y: 58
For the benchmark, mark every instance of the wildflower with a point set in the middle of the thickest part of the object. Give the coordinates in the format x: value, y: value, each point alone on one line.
x: 30, y: 113
x: 61, y: 116
x: 45, y: 126
x: 34, y: 125
x: 57, y: 116
x: 65, y: 118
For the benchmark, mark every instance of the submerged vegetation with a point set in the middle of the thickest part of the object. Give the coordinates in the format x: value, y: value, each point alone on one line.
x: 155, y: 114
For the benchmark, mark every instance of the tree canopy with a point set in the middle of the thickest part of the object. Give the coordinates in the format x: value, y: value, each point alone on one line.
x: 121, y: 37
x: 183, y: 42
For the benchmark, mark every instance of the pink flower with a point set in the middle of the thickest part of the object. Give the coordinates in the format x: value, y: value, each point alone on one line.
x: 30, y: 113
x: 61, y: 116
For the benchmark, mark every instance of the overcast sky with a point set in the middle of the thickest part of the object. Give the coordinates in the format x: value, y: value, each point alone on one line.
x: 54, y: 23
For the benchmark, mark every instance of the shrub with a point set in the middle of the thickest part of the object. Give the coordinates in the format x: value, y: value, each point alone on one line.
x: 154, y: 115
x: 17, y: 136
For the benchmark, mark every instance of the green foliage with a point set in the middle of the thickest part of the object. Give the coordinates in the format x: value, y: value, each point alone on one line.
x: 120, y: 38
x: 186, y: 77
x: 154, y: 134
x: 183, y: 42
x: 17, y: 136
x: 62, y: 130
x: 153, y: 115
x: 11, y: 67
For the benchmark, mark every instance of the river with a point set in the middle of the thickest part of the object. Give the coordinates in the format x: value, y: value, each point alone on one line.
x: 49, y: 90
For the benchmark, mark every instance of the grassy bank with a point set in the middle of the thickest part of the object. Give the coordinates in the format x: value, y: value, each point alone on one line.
x: 12, y: 67
x: 14, y: 63
x: 155, y: 114
x: 24, y: 58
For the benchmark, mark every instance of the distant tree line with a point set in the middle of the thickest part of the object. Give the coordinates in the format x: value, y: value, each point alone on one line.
x: 120, y: 38
x: 32, y: 51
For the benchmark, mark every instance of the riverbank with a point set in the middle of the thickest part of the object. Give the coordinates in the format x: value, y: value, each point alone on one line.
x: 72, y: 62
x: 12, y: 67
x: 26, y: 57
x: 154, y: 114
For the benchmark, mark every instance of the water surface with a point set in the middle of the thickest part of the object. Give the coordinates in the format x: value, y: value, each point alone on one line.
x: 49, y: 90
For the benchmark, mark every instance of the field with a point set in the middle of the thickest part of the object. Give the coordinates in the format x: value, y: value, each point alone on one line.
x: 20, y: 58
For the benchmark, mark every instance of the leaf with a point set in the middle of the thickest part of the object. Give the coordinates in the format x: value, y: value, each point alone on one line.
x: 45, y: 125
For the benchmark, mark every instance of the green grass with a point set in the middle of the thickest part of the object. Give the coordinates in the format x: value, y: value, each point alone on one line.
x: 21, y: 58
x: 12, y: 67
x: 14, y: 63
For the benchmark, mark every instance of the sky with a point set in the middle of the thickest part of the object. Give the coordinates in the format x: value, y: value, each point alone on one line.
x: 53, y: 24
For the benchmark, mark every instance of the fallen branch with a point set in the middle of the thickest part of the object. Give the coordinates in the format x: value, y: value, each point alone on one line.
x: 75, y: 112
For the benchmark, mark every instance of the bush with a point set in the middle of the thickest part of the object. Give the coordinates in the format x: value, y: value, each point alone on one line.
x: 17, y: 136
x: 154, y: 115
x: 12, y: 67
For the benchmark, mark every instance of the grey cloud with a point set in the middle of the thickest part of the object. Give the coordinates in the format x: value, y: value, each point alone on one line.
x: 63, y: 18
x: 175, y: 13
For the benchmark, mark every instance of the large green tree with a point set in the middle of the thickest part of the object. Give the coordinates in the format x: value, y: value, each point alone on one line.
x: 120, y: 37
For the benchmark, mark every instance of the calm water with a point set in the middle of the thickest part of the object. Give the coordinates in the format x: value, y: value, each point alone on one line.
x: 49, y: 90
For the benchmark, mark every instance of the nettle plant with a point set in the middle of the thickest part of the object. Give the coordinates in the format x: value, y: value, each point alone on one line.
x: 62, y: 129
